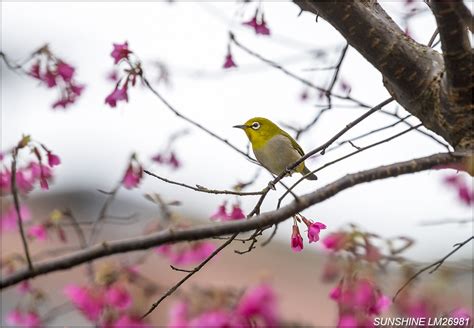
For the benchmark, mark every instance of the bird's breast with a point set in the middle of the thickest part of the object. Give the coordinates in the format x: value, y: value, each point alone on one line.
x: 277, y: 154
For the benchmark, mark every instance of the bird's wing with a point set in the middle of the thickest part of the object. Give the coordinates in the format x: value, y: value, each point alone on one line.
x: 294, y: 143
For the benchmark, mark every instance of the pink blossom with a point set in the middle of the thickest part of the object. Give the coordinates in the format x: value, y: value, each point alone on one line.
x: 229, y: 61
x: 28, y: 319
x: 336, y: 293
x: 461, y: 313
x: 259, y: 302
x: 118, y: 296
x: 314, y: 228
x: 335, y: 241
x: 86, y: 301
x: 120, y: 52
x: 237, y: 213
x: 465, y: 194
x: 178, y: 315
x: 173, y: 161
x: 117, y: 95
x: 259, y: 25
x: 37, y: 231
x: 127, y: 321
x: 296, y: 239
x: 53, y: 159
x: 35, y: 70
x: 216, y: 318
x: 50, y: 79
x: 62, y: 102
x: 23, y: 183
x: 198, y: 252
x: 24, y: 287
x: 132, y: 176
x: 9, y: 218
x: 113, y: 75
x: 5, y: 181
x: 77, y: 89
x: 221, y: 213
x: 66, y: 71
x: 347, y: 321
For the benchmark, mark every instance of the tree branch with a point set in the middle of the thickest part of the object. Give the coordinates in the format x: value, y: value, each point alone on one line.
x: 412, y: 72
x: 227, y: 228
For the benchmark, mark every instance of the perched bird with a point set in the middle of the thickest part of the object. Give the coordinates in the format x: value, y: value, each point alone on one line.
x: 274, y: 148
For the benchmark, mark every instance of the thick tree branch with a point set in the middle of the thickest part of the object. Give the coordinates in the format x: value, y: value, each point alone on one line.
x: 227, y: 228
x: 412, y: 72
x: 458, y: 57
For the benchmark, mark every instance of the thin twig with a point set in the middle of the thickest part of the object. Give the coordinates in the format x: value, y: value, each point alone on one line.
x: 433, y: 266
x: 187, y: 119
x: 16, y: 201
x: 189, y: 275
x: 204, y: 189
x: 285, y: 71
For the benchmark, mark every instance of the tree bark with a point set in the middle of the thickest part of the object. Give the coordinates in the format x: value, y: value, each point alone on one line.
x: 413, y: 73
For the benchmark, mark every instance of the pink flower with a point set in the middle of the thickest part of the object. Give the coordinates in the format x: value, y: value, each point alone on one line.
x: 198, y: 252
x: 63, y: 103
x: 120, y: 52
x: 118, y: 296
x: 66, y: 71
x: 347, y: 321
x: 76, y: 89
x: 86, y: 301
x: 336, y: 293
x: 178, y: 315
x: 53, y: 159
x: 237, y: 213
x: 5, y: 181
x: 133, y: 176
x: 24, y: 287
x: 314, y: 228
x: 9, y: 219
x: 259, y: 302
x: 461, y: 313
x: 221, y: 213
x: 465, y: 194
x: 335, y: 241
x: 117, y: 95
x: 229, y: 61
x: 216, y: 318
x: 296, y: 239
x: 173, y: 161
x: 113, y: 75
x: 50, y: 79
x: 28, y: 319
x: 35, y: 70
x: 259, y: 25
x: 23, y: 183
x: 37, y: 231
x: 127, y: 321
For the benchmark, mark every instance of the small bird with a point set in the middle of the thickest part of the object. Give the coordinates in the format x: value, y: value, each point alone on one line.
x: 274, y: 148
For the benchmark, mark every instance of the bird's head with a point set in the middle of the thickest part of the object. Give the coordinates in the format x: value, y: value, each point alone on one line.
x: 259, y: 130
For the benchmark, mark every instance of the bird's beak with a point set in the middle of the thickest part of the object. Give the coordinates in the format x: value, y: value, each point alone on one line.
x: 240, y: 126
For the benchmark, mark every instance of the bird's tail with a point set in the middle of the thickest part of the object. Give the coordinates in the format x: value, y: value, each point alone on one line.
x: 312, y: 176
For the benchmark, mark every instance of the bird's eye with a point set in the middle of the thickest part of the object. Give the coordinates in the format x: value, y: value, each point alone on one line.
x: 255, y: 125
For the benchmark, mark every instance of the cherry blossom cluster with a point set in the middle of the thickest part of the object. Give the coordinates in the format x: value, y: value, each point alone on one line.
x: 33, y: 171
x: 256, y: 307
x: 121, y: 54
x: 314, y: 228
x: 54, y: 72
x: 223, y: 215
x: 107, y: 302
x: 358, y: 301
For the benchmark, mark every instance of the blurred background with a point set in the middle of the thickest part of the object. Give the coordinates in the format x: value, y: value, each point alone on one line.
x: 188, y: 41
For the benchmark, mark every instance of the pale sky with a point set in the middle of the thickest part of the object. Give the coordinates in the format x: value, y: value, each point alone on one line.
x: 94, y: 141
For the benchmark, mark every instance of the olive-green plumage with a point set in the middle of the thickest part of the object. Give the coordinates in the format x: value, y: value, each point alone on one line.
x: 274, y: 148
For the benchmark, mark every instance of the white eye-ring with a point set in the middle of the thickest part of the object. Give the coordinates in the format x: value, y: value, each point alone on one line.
x: 255, y: 125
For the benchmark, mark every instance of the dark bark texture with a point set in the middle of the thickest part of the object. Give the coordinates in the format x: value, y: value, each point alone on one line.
x: 435, y: 87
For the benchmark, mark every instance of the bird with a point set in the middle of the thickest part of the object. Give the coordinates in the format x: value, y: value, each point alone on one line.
x: 274, y: 148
